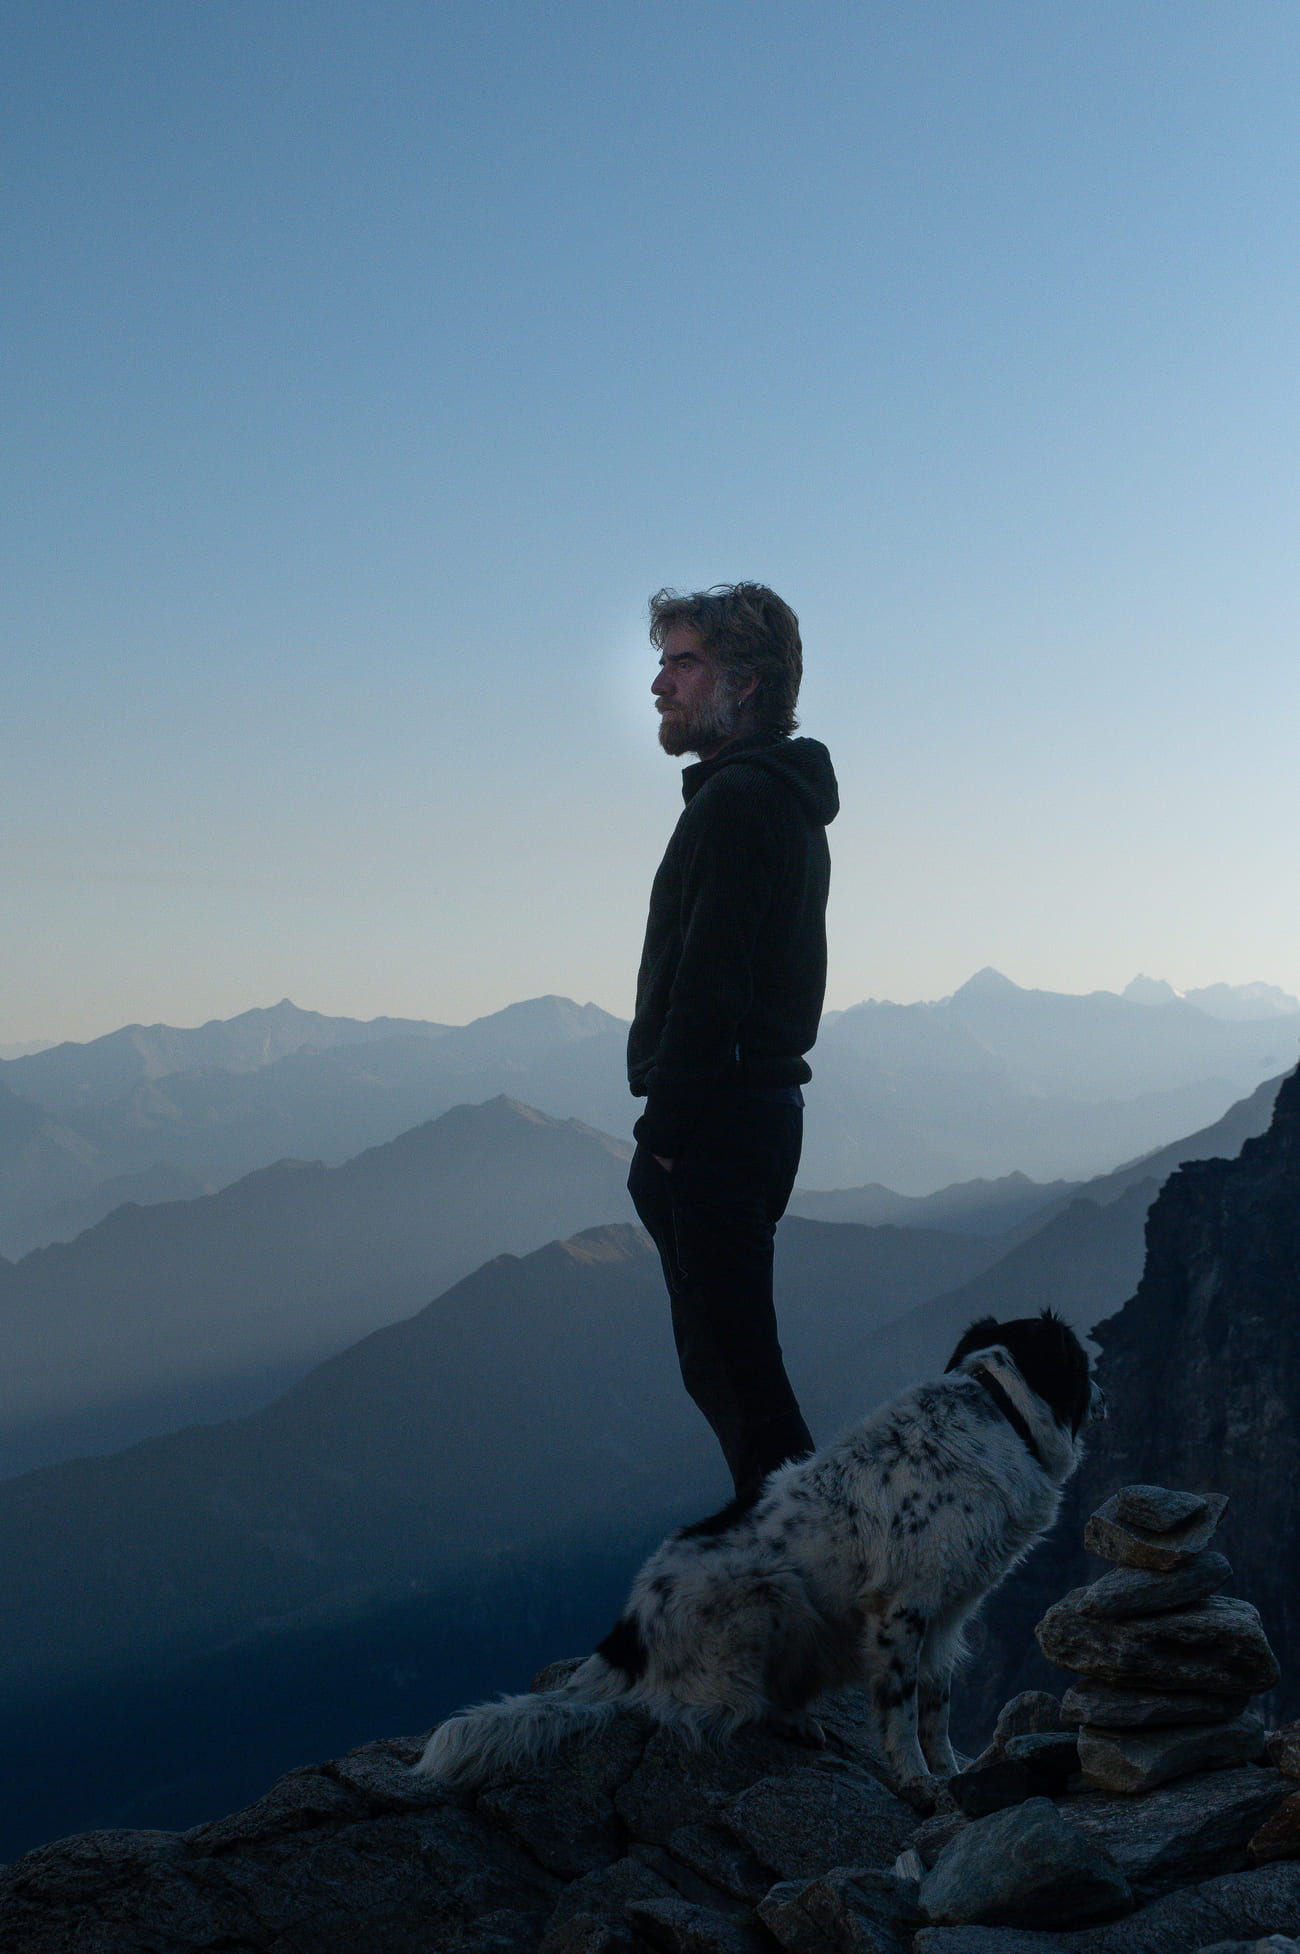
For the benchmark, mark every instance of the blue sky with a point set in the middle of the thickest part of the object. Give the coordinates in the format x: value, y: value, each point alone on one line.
x: 366, y: 368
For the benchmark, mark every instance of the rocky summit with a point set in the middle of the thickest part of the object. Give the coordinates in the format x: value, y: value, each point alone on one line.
x: 636, y: 1842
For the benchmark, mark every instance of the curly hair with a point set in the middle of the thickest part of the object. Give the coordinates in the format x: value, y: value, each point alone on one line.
x: 751, y: 632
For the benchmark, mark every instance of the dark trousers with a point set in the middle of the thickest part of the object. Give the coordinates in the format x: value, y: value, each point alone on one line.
x: 713, y: 1220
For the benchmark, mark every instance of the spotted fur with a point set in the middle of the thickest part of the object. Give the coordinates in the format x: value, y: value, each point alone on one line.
x: 859, y: 1565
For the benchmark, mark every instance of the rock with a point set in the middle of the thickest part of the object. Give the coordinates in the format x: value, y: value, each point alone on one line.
x: 850, y: 1910
x: 1181, y: 1832
x: 1163, y: 1550
x: 1109, y: 1707
x: 801, y: 1824
x: 930, y: 1838
x: 1034, y: 1710
x: 708, y: 1851
x: 1023, y: 1868
x: 991, y: 1787
x: 563, y: 1814
x: 1050, y: 1756
x: 1156, y: 1508
x: 1273, y: 1944
x: 1119, y: 1760
x: 1219, y: 1645
x: 605, y: 1894
x: 1134, y: 1591
x: 1246, y: 1904
x: 587, y: 1933
x: 678, y: 1927
x: 1279, y: 1836
x: 674, y: 1784
x: 1283, y: 1748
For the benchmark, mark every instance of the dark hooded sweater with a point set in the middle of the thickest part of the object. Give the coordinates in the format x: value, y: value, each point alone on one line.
x: 733, y: 972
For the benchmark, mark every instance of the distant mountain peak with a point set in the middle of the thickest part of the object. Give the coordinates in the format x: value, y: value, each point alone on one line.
x: 1150, y: 990
x: 988, y: 983
x: 618, y: 1241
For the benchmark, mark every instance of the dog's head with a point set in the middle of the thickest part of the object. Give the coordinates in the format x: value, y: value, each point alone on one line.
x: 1050, y: 1358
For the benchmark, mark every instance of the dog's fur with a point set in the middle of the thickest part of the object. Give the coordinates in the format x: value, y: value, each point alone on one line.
x: 858, y: 1565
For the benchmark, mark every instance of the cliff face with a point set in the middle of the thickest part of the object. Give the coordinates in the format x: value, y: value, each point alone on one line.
x: 1201, y: 1370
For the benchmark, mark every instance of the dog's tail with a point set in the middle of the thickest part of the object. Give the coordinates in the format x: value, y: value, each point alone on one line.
x: 495, y: 1740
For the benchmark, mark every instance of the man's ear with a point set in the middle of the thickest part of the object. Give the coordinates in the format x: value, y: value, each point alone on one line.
x: 746, y: 694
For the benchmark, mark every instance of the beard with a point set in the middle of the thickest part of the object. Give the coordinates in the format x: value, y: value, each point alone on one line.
x: 698, y: 728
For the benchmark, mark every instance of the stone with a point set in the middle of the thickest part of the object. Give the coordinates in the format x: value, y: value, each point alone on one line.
x: 679, y: 1927
x: 1109, y: 1536
x: 1219, y: 1645
x: 708, y: 1851
x: 605, y: 1894
x: 930, y: 1838
x: 1157, y: 1508
x: 675, y: 1783
x: 1119, y: 1760
x: 1191, y: 1829
x: 1051, y: 1757
x: 1283, y: 1749
x: 563, y: 1813
x: 1027, y: 1867
x: 1034, y: 1710
x: 1279, y: 1836
x: 850, y: 1910
x: 1272, y: 1944
x: 990, y: 1787
x: 1136, y: 1591
x: 1110, y: 1707
x: 812, y: 1819
x: 587, y: 1933
x: 1251, y: 1905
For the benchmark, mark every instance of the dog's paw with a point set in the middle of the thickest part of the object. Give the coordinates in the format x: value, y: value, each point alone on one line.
x: 797, y: 1727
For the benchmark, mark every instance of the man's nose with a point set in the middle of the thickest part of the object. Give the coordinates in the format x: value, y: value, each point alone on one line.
x: 660, y: 681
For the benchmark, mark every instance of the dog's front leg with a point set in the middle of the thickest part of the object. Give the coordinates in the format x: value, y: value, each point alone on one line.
x: 933, y: 1695
x: 939, y: 1651
x: 891, y: 1646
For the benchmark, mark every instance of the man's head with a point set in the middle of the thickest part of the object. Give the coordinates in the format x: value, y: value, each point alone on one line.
x: 751, y: 665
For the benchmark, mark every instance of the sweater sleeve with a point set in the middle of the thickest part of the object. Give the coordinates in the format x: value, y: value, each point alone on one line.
x: 731, y: 858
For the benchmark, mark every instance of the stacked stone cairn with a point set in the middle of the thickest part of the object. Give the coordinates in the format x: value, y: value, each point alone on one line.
x: 1167, y: 1663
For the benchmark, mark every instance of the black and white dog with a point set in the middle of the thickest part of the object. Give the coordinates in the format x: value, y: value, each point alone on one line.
x: 858, y: 1565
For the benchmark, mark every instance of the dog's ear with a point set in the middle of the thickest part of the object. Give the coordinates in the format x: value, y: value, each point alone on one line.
x: 979, y: 1336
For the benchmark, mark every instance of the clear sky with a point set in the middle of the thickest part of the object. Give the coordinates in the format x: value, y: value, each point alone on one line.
x: 367, y: 366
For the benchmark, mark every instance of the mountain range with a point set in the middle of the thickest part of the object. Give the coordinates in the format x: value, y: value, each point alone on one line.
x: 449, y: 1501
x: 992, y: 1081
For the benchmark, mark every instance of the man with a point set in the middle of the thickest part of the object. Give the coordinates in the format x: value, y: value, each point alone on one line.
x: 729, y: 996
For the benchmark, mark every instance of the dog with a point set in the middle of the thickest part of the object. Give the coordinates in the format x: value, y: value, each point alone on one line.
x: 858, y: 1565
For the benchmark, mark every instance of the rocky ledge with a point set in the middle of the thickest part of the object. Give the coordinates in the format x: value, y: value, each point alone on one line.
x: 638, y: 1844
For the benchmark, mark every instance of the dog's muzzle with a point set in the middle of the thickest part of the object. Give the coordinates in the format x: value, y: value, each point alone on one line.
x: 1096, y: 1403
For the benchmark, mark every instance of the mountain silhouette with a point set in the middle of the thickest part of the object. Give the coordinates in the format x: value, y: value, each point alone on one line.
x: 205, y: 1308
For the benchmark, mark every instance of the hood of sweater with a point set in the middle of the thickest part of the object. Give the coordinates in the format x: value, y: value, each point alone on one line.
x: 803, y: 765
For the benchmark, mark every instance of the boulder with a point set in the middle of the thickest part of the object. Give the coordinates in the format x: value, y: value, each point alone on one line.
x: 1129, y: 1591
x: 1027, y: 1867
x: 1132, y: 1761
x: 1032, y: 1712
x: 1279, y: 1836
x: 1162, y: 1549
x: 1157, y: 1509
x: 1218, y: 1646
x: 852, y: 1908
x: 1108, y: 1706
x: 1181, y: 1832
x: 1283, y: 1748
x: 1247, y: 1905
